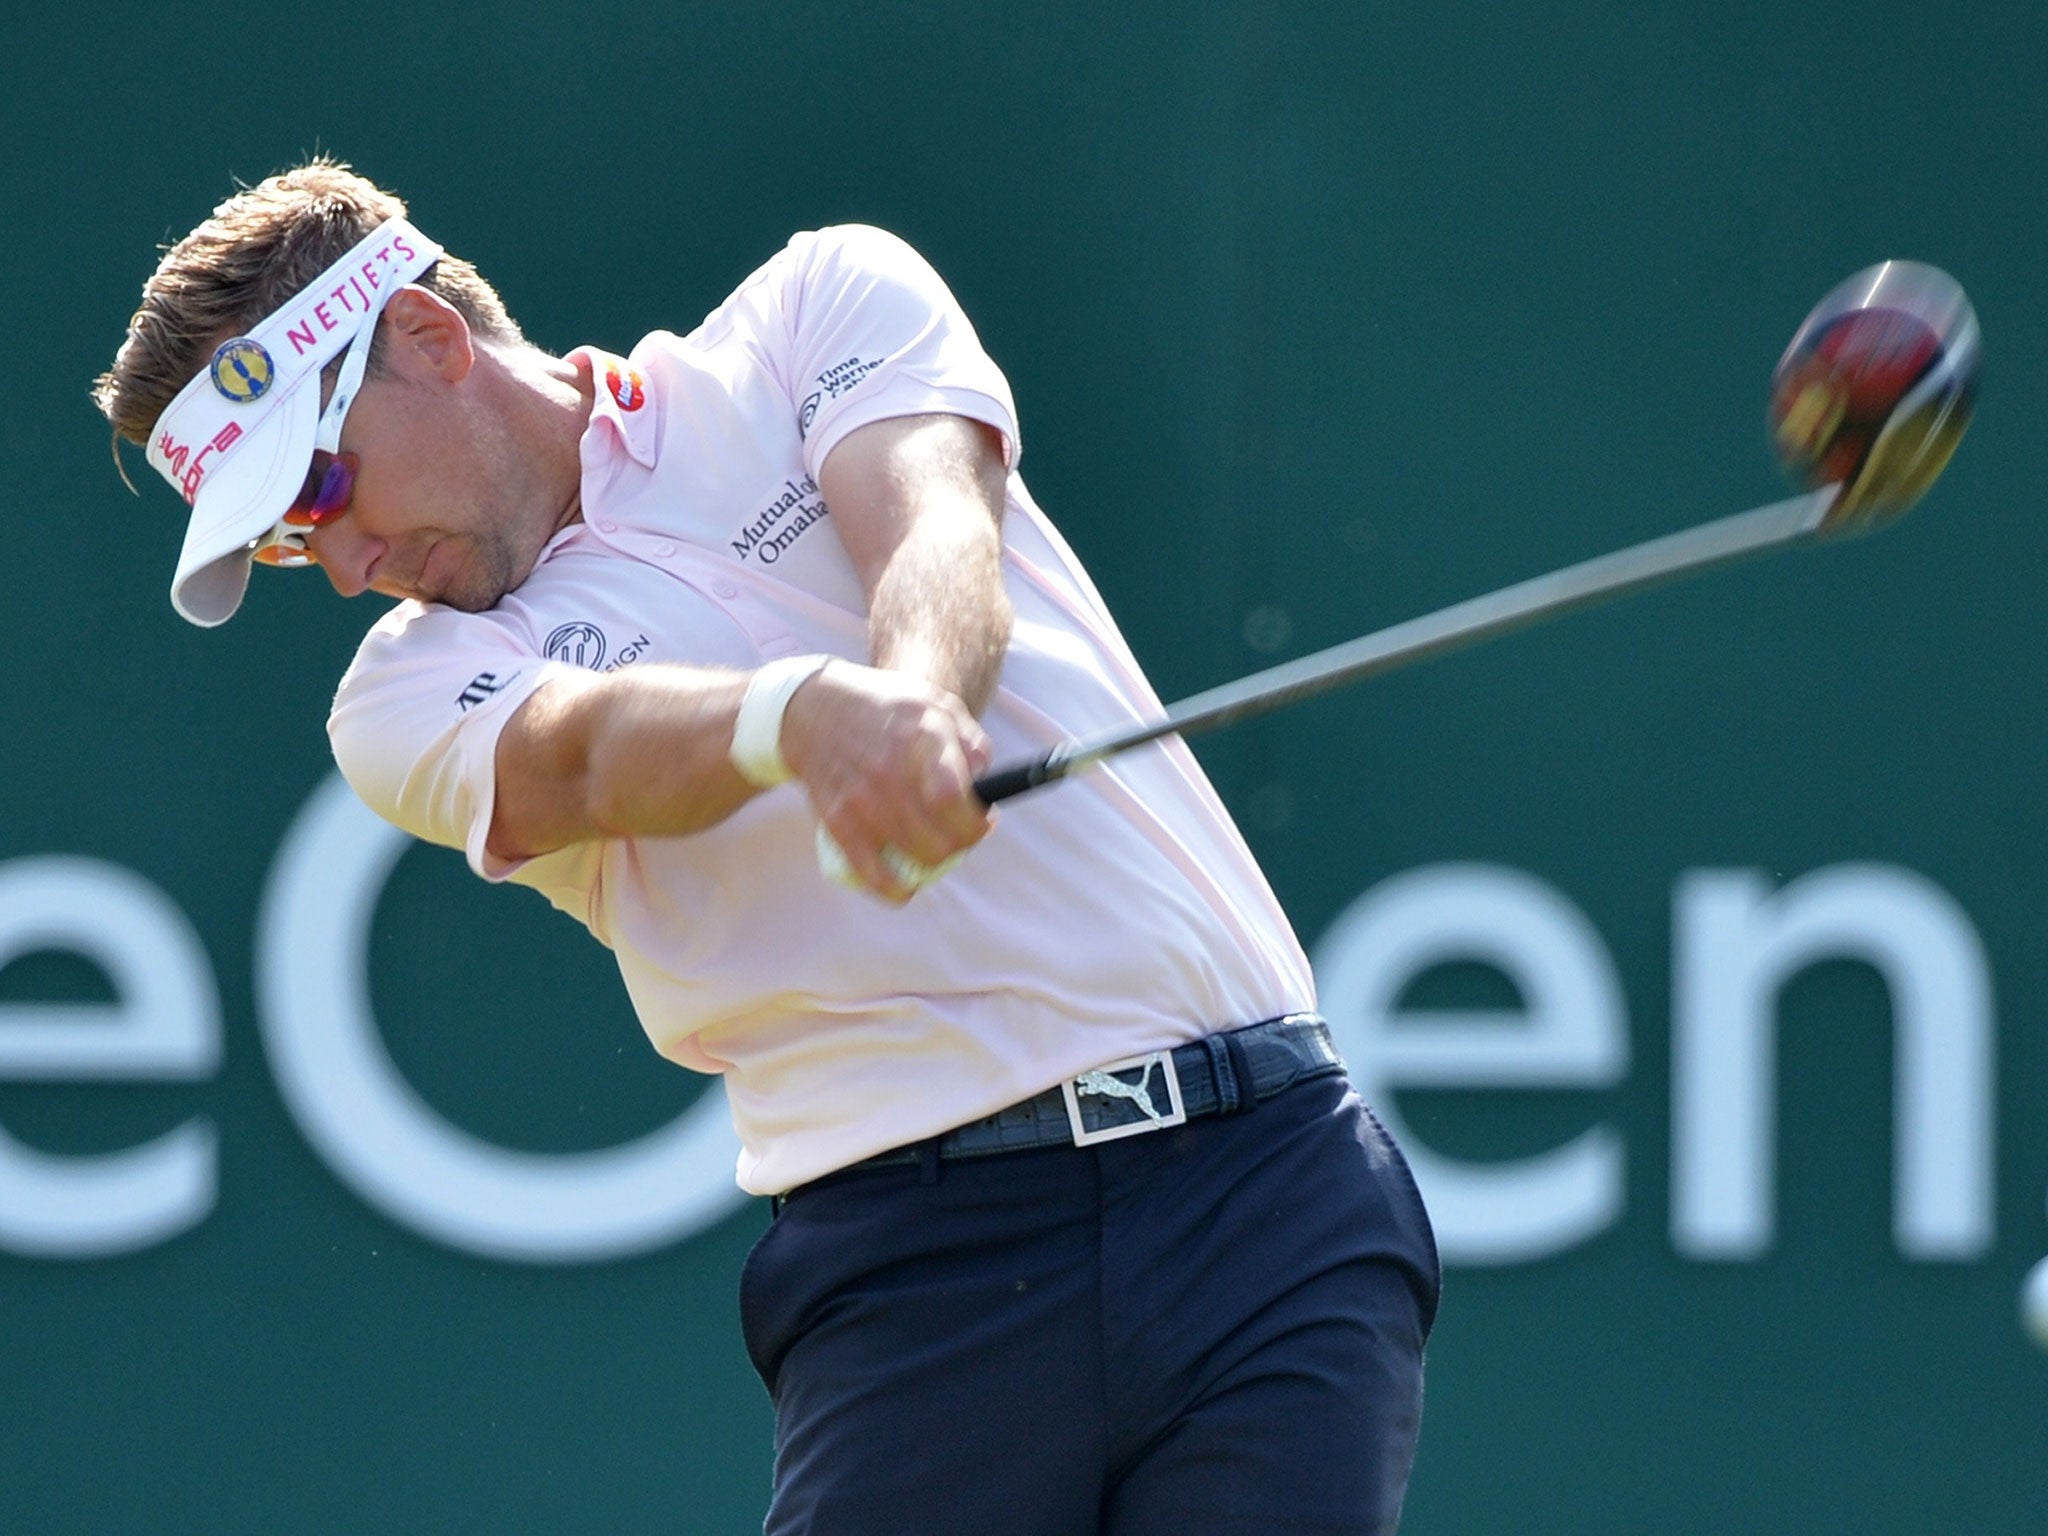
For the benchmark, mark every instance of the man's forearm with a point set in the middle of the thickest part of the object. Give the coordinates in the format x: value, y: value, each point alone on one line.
x: 639, y: 753
x: 648, y: 753
x: 939, y: 610
x: 918, y: 504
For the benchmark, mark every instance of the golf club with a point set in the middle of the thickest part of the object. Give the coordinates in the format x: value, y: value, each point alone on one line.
x: 1901, y: 449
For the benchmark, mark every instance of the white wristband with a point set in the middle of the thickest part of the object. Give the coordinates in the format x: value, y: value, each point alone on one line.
x: 757, y: 729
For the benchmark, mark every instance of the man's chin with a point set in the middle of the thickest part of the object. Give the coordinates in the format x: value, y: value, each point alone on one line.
x: 467, y: 602
x: 480, y: 587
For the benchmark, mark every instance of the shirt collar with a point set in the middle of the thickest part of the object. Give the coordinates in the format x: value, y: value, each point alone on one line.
x: 624, y: 400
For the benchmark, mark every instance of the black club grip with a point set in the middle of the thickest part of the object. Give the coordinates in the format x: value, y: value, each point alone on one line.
x: 1005, y: 782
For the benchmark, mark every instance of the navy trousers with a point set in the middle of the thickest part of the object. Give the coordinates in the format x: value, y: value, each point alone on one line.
x: 1213, y: 1328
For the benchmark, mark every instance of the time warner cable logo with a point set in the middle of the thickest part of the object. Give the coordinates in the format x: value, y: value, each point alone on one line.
x: 1738, y: 941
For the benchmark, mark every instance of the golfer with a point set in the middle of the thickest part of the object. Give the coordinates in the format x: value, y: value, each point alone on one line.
x: 1078, y: 1225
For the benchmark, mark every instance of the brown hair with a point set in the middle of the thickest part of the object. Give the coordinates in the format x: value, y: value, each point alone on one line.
x: 258, y: 249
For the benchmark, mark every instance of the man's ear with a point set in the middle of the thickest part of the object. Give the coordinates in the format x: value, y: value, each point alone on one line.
x: 428, y: 333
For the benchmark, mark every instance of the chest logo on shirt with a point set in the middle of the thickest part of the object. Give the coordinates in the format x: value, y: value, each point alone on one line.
x: 767, y: 536
x: 577, y: 643
x: 628, y: 388
x: 582, y: 644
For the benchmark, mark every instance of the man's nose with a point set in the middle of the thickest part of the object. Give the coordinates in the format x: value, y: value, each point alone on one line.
x: 345, y: 555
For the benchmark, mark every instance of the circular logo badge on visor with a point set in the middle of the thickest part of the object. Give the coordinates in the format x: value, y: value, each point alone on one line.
x: 242, y: 370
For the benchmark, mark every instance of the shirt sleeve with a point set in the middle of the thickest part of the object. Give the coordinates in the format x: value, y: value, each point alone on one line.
x: 873, y: 332
x: 416, y: 721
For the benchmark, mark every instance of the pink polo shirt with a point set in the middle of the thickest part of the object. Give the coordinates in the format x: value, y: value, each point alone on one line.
x: 1117, y: 913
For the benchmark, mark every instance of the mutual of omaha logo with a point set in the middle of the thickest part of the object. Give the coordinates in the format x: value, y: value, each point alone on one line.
x: 578, y: 643
x: 241, y: 369
x: 626, y: 385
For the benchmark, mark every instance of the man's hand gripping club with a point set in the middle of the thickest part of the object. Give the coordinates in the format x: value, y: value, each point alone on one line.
x: 889, y: 762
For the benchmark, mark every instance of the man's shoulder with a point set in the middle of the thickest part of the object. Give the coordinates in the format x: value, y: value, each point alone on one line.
x: 773, y: 296
x: 413, y: 633
x: 855, y: 249
x: 811, y: 254
x: 853, y: 238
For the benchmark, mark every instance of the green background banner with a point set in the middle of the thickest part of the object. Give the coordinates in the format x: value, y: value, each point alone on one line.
x: 1695, y: 942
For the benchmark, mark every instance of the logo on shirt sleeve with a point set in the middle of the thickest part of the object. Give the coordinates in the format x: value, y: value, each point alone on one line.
x: 834, y: 381
x: 481, y: 687
x: 841, y: 377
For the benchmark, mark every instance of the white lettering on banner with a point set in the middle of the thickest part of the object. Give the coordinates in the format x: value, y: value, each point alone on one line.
x: 388, y: 1144
x: 1570, y: 1032
x: 164, y: 1023
x: 1737, y: 943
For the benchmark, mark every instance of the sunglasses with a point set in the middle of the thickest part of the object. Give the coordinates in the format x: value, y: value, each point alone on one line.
x: 330, y: 477
x: 330, y: 482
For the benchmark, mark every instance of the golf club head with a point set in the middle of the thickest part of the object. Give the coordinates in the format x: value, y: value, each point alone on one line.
x: 1876, y: 390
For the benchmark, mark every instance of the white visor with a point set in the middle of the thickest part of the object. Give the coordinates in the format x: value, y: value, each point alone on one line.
x: 238, y: 439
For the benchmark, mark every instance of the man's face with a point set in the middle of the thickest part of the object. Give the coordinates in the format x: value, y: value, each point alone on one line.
x: 446, y: 508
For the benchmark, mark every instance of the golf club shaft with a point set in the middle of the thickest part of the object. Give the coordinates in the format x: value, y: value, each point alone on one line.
x: 1478, y: 618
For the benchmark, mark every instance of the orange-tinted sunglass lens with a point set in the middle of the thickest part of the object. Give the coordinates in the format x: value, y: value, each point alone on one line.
x: 330, y: 482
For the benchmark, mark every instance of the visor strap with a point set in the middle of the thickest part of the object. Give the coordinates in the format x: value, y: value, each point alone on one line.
x: 353, y: 365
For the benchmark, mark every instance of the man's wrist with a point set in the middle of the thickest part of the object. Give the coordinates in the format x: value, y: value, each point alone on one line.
x: 757, y: 728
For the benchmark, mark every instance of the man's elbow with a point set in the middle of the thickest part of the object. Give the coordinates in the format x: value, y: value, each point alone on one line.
x: 541, y: 795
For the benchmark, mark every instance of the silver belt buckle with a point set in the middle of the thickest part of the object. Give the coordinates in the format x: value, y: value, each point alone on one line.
x: 1104, y: 1082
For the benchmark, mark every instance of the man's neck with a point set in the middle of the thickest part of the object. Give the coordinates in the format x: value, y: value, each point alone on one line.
x: 548, y: 405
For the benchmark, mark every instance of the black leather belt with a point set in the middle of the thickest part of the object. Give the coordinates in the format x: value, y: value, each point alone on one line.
x: 1219, y: 1074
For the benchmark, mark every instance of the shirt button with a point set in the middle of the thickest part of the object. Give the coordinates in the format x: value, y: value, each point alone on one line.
x: 725, y: 588
x: 607, y: 527
x: 664, y: 548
